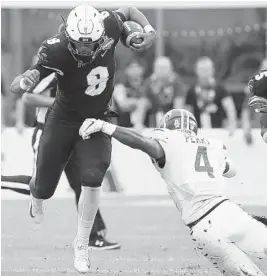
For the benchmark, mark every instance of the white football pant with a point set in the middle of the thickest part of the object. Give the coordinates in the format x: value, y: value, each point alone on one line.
x: 228, y: 236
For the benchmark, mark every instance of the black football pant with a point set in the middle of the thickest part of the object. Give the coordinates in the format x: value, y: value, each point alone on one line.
x: 100, y: 163
x: 59, y: 141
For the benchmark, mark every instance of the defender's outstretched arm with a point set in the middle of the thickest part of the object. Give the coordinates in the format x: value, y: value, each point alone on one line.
x: 135, y: 140
x: 127, y: 136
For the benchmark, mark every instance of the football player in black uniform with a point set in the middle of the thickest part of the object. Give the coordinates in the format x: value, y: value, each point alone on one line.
x: 42, y: 97
x: 83, y: 59
x: 258, y: 100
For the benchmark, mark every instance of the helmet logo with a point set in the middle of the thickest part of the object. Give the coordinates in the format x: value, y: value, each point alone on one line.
x: 85, y: 27
x: 177, y: 123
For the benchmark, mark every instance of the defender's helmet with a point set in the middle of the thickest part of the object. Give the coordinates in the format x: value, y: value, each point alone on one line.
x: 179, y: 119
x: 84, y: 30
x: 258, y: 89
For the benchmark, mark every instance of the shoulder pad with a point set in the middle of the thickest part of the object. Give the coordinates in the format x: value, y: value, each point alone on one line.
x: 52, y: 53
x: 105, y: 14
x: 56, y: 41
x: 53, y: 47
x: 112, y: 23
x: 120, y: 18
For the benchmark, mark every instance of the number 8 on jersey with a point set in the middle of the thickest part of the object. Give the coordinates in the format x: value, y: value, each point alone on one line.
x: 97, y: 81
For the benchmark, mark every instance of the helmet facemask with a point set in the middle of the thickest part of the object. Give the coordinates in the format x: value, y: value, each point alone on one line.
x: 84, y: 49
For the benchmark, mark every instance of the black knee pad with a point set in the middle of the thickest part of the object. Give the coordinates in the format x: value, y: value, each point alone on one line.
x: 93, y: 177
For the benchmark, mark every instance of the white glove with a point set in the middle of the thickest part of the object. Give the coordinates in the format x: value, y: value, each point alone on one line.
x: 91, y: 126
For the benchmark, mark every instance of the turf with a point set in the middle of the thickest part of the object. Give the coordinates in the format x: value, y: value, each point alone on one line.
x: 154, y: 240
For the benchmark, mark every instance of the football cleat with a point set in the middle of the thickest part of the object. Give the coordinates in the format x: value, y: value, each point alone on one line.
x: 81, y: 258
x: 36, y: 210
x: 100, y: 243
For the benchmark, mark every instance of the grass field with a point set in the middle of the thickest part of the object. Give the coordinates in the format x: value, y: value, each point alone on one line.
x: 153, y: 238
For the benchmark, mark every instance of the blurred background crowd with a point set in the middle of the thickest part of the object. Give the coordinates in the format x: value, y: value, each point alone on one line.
x: 202, y: 61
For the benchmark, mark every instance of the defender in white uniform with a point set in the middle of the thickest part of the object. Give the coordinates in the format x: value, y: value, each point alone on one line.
x: 194, y: 169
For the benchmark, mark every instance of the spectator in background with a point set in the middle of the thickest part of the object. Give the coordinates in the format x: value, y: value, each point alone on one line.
x: 129, y: 98
x: 165, y: 90
x: 208, y: 100
x: 130, y: 102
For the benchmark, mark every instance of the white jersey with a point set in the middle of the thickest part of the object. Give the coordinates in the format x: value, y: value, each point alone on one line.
x: 193, y: 171
x: 41, y: 88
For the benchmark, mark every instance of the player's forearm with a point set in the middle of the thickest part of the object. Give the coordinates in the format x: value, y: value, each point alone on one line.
x: 130, y: 137
x: 15, y: 86
x: 135, y: 15
x: 25, y: 81
x: 34, y: 100
x: 135, y: 140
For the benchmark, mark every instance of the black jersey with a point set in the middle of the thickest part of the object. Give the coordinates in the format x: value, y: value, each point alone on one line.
x: 85, y: 86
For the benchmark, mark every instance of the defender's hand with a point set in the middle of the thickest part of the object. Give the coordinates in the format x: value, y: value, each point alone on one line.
x: 89, y: 127
x: 30, y: 78
x: 148, y: 39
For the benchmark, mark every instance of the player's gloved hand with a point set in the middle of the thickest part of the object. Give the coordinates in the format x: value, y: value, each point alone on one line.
x: 91, y: 126
x: 29, y: 79
x: 148, y: 39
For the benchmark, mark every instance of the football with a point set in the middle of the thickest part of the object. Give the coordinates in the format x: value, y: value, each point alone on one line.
x: 129, y: 32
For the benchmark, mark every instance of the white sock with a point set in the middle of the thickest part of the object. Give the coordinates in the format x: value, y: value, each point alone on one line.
x: 37, y: 200
x: 87, y: 208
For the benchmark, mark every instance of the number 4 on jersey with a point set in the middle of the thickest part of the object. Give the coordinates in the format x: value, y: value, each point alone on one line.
x: 202, y: 154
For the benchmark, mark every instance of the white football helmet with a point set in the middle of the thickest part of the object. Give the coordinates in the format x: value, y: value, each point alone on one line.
x: 84, y: 30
